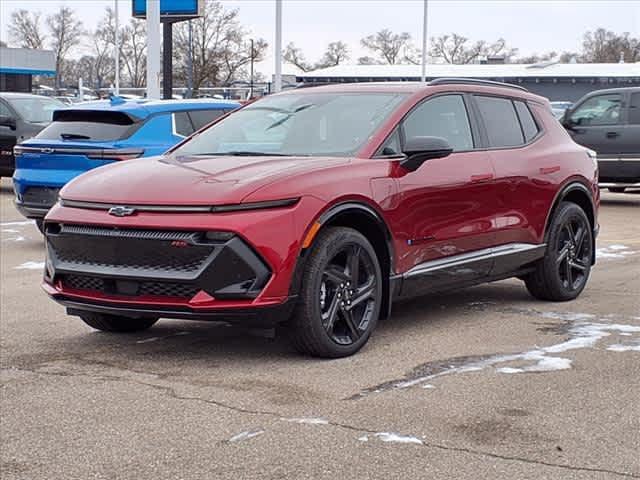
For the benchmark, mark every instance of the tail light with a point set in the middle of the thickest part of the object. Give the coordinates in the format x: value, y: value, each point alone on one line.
x: 117, y: 154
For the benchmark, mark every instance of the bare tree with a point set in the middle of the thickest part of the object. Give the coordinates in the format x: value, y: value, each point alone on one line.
x: 66, y: 32
x: 454, y: 48
x: 337, y: 53
x: 603, y: 46
x: 368, y: 61
x: 537, y: 58
x: 25, y: 30
x: 220, y: 47
x: 294, y: 56
x: 391, y: 47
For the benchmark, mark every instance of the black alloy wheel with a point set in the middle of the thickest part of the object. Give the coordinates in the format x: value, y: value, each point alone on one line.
x: 340, y: 295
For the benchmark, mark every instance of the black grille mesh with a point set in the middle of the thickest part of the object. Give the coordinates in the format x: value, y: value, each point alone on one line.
x: 159, y: 289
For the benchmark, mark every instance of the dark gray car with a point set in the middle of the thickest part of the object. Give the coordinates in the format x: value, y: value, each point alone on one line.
x: 608, y: 121
x: 22, y: 116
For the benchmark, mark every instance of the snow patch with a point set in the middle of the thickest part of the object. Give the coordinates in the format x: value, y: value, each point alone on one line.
x: 246, y: 435
x: 31, y: 266
x: 396, y: 438
x: 614, y: 252
x: 16, y: 224
x: 307, y: 421
x: 149, y: 340
x: 624, y: 347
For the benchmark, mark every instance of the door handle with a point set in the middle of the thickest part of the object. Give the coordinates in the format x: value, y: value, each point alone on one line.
x: 549, y: 170
x: 482, y: 178
x: 612, y: 134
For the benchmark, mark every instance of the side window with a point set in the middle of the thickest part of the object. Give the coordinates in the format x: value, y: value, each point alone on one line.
x: 599, y: 110
x: 444, y: 116
x: 200, y: 118
x: 501, y: 121
x: 529, y: 127
x: 634, y: 109
x: 391, y: 146
x: 4, y: 110
x: 182, y: 124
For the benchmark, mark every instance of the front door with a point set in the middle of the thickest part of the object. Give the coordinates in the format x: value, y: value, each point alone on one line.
x: 444, y: 208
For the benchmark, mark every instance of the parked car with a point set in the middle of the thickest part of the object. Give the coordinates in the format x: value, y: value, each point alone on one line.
x: 608, y: 121
x: 559, y: 107
x: 319, y: 207
x: 22, y: 116
x: 93, y: 134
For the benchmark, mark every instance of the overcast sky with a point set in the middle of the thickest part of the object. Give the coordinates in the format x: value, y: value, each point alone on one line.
x: 529, y: 25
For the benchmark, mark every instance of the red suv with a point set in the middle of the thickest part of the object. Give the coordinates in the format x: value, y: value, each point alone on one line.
x: 319, y: 207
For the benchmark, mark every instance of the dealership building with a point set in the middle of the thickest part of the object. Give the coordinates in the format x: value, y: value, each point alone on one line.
x: 556, y: 81
x: 19, y: 65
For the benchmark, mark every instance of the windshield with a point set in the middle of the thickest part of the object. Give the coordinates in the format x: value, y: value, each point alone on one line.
x: 35, y: 109
x: 304, y: 124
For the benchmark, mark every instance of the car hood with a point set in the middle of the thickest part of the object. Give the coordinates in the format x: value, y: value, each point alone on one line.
x: 195, y: 180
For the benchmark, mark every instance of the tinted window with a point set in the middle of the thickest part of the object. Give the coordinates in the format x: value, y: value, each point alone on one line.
x: 35, y: 109
x: 182, y: 124
x: 634, y: 109
x: 200, y: 118
x: 298, y: 124
x: 598, y: 110
x: 4, y: 110
x: 501, y: 121
x: 444, y: 116
x: 89, y: 125
x: 529, y: 127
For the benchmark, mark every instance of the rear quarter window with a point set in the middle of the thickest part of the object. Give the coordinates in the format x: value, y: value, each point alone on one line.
x: 529, y: 127
x: 501, y: 121
x: 200, y: 118
x: 89, y: 125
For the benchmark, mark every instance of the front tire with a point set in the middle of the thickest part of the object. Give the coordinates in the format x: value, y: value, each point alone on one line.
x: 116, y: 324
x: 340, y: 298
x: 563, y: 272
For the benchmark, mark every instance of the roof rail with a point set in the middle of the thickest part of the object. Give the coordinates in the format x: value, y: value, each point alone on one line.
x: 474, y: 81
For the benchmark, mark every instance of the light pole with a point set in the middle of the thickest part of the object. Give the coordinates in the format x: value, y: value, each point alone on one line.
x: 424, y: 40
x: 153, y: 49
x: 278, y: 54
x: 251, y: 74
x: 117, y: 40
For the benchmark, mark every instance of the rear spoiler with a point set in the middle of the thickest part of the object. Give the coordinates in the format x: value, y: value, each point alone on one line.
x: 95, y: 116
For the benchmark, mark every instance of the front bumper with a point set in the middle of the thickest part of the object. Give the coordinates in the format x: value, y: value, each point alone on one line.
x: 36, y: 201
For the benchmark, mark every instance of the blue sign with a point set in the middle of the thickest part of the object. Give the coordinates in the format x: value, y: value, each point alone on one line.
x: 169, y: 8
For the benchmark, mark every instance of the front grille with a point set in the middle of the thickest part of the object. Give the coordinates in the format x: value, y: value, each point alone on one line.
x: 131, y: 251
x: 129, y: 287
x: 40, y: 196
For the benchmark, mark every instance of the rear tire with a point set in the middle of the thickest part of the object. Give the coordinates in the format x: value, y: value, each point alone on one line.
x: 114, y: 323
x: 340, y: 298
x: 563, y: 272
x: 617, y: 189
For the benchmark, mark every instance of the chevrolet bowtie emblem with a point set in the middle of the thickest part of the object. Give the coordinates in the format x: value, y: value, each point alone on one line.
x: 121, y: 211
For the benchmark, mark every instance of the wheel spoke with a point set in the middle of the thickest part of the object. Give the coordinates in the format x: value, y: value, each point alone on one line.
x: 577, y: 264
x: 562, y: 255
x: 363, y: 293
x: 572, y: 235
x: 336, y: 276
x: 579, y: 238
x: 353, y: 264
x: 351, y: 324
x: 569, y: 273
x: 329, y: 318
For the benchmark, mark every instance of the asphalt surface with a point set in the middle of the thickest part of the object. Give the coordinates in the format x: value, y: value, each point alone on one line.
x: 481, y: 383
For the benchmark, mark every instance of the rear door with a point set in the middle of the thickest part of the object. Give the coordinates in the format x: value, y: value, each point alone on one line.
x: 630, y: 145
x: 597, y: 123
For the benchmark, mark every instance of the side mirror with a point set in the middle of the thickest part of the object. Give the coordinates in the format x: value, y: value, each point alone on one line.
x: 6, y: 121
x: 420, y: 149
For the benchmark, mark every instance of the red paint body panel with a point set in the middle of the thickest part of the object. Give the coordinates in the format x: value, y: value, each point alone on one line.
x: 464, y: 202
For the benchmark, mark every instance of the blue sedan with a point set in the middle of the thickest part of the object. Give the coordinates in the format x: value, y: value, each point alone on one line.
x: 93, y: 134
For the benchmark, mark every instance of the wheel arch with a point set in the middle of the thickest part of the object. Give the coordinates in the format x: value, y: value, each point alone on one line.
x: 366, y: 220
x: 578, y: 193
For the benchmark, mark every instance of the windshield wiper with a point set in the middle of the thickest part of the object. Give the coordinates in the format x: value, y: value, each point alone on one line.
x: 277, y: 123
x: 74, y: 136
x: 242, y: 153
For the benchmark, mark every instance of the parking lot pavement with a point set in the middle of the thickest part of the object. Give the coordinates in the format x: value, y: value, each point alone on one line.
x: 481, y: 383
